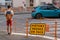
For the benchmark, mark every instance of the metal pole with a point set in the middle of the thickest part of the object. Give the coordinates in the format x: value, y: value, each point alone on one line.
x: 55, y: 30
x: 27, y: 28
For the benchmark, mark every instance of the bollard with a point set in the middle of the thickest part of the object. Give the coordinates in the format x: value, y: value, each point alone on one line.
x: 47, y: 28
x: 27, y: 28
x: 55, y: 30
x: 15, y: 26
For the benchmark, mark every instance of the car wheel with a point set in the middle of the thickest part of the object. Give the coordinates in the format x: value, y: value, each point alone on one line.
x: 38, y: 16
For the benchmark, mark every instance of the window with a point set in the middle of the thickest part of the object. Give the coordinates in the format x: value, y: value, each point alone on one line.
x: 43, y: 7
x: 31, y: 2
x: 51, y: 8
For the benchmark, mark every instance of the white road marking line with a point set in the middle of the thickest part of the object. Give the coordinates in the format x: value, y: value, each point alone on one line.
x: 24, y: 34
x: 58, y: 32
x: 54, y: 28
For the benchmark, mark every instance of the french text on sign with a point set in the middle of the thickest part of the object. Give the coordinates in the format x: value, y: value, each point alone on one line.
x: 37, y: 28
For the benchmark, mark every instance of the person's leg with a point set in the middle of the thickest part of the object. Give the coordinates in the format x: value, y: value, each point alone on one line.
x: 10, y: 29
x: 8, y: 26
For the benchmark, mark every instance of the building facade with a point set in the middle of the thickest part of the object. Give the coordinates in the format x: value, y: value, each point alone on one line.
x: 41, y: 2
x: 2, y: 2
x: 8, y: 2
x: 5, y: 2
x: 26, y: 3
x: 29, y: 3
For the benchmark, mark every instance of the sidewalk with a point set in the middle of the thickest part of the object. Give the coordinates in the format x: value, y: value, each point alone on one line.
x: 4, y: 36
x: 22, y: 12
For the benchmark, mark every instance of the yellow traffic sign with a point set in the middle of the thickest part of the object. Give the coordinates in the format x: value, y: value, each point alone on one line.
x: 37, y: 28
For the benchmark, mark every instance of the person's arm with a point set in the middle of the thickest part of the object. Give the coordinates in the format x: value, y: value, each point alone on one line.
x: 12, y: 12
x: 5, y: 13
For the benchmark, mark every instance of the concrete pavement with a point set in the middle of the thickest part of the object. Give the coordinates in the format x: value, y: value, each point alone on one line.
x: 5, y: 36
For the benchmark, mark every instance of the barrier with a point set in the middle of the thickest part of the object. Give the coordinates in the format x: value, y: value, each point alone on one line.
x: 47, y: 28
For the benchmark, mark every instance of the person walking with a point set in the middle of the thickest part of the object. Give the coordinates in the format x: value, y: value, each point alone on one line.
x: 9, y: 15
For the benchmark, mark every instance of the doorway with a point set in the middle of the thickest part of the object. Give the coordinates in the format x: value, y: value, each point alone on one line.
x: 31, y: 3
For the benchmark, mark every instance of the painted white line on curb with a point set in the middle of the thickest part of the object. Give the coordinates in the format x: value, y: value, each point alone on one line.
x: 52, y: 38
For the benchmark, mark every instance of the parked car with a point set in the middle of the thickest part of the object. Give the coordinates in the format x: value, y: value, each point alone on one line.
x: 45, y: 11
